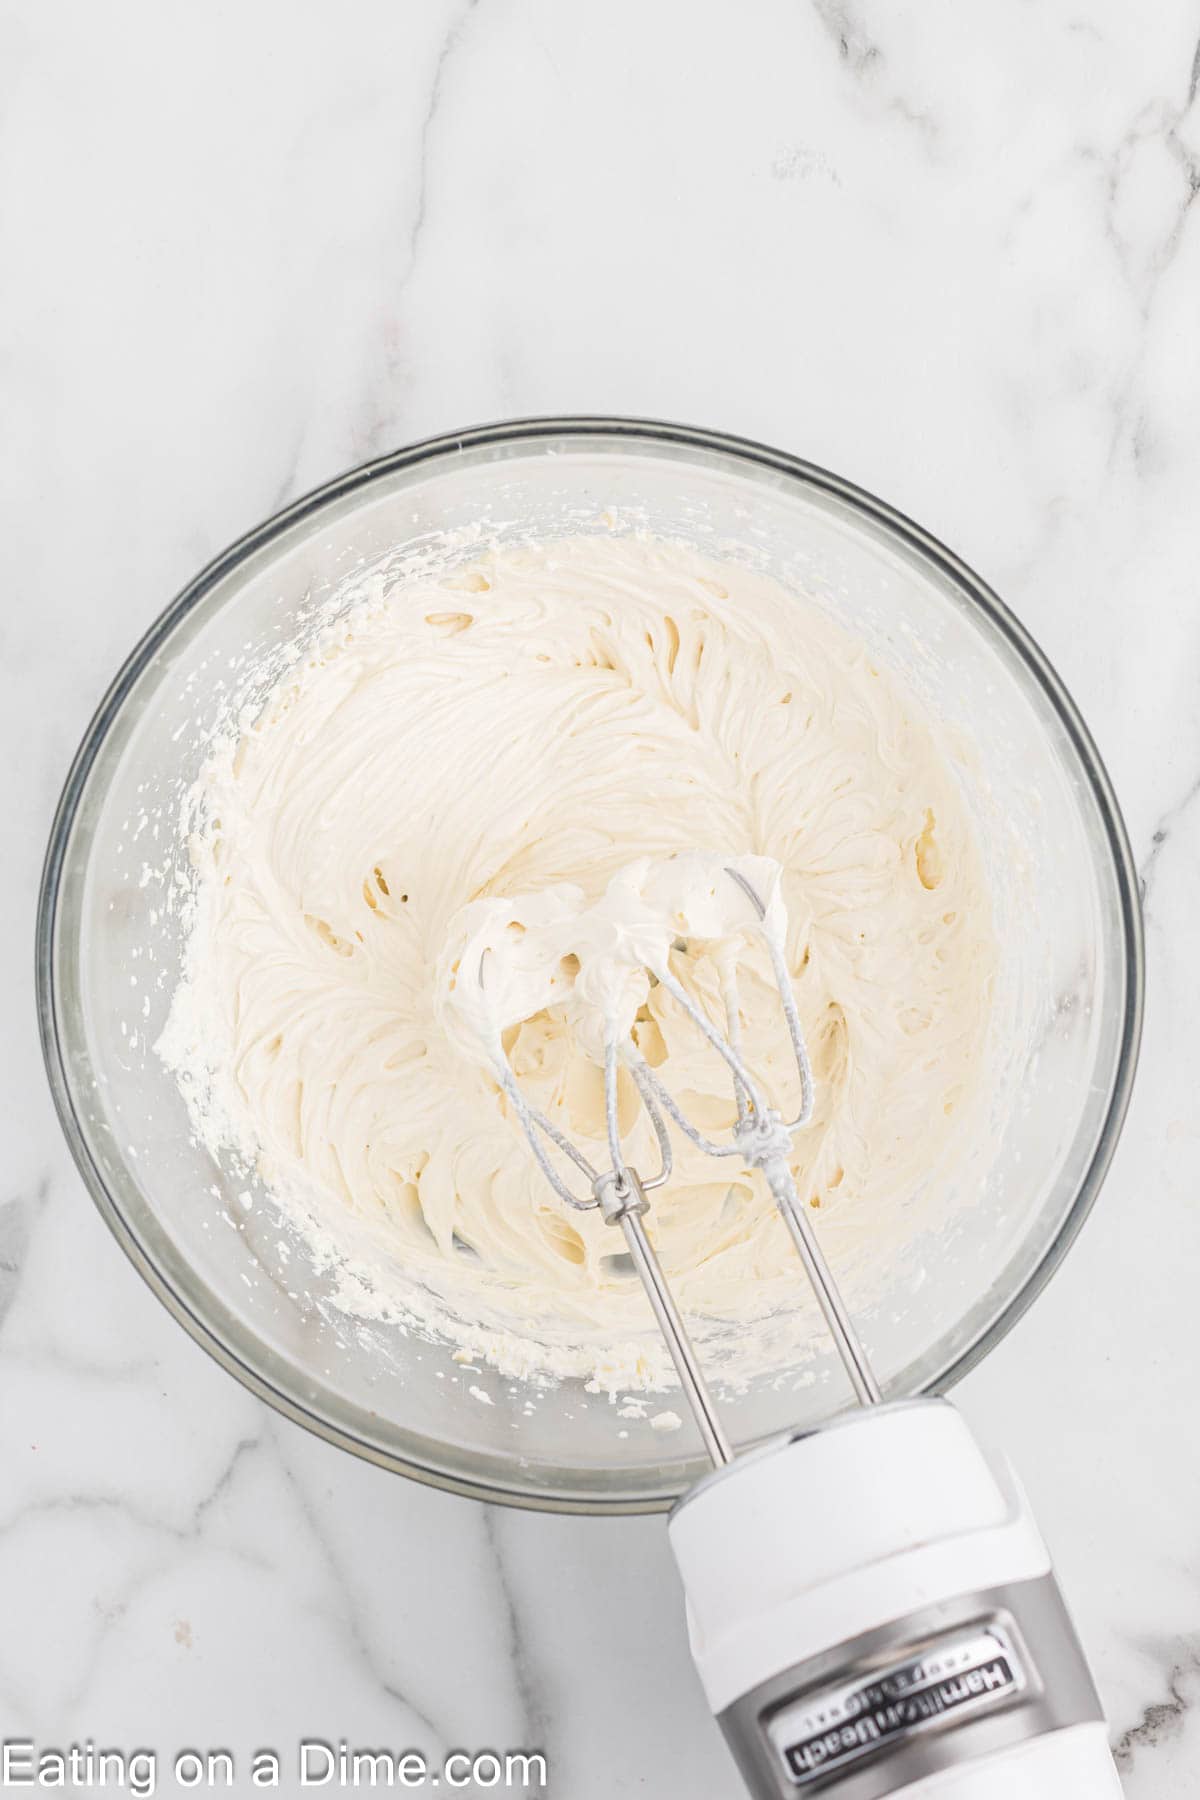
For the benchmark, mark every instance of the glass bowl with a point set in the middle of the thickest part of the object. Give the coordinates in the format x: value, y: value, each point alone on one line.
x: 1069, y: 991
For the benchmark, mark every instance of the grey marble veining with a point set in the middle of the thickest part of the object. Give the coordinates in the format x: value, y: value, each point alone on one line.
x: 953, y: 253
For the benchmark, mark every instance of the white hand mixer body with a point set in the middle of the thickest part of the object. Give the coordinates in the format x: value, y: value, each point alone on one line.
x: 872, y: 1612
x: 871, y: 1607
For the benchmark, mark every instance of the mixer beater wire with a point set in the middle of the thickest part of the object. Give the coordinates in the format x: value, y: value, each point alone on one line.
x: 761, y: 1138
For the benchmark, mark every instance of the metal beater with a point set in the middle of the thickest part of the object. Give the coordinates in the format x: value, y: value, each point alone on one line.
x: 761, y: 1138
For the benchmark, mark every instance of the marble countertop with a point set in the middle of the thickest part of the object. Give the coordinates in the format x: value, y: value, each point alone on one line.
x: 948, y: 251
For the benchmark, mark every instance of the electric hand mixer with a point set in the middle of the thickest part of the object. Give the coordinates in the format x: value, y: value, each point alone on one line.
x: 871, y: 1607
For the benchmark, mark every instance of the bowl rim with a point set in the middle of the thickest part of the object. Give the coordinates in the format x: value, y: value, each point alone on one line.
x: 618, y: 429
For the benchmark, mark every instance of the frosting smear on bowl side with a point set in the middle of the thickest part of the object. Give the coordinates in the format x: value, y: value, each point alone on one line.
x: 527, y: 738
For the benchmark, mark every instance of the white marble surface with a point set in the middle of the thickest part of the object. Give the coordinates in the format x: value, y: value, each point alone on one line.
x: 947, y: 250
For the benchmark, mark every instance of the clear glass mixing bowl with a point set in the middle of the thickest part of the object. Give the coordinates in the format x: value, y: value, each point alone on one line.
x: 1070, y: 984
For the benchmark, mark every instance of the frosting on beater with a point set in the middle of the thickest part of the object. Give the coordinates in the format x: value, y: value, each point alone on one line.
x: 509, y: 959
x: 543, y: 736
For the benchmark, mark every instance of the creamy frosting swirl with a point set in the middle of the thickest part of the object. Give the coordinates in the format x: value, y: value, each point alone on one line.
x: 532, y: 724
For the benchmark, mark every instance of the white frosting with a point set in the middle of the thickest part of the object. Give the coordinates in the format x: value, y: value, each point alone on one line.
x: 539, y: 724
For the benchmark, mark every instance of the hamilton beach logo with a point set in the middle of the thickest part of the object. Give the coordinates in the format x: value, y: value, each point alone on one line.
x: 840, y: 1726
